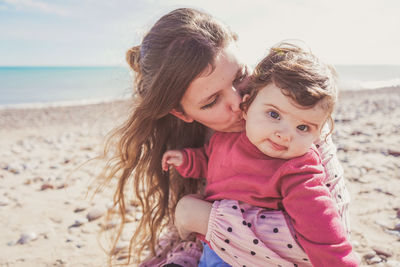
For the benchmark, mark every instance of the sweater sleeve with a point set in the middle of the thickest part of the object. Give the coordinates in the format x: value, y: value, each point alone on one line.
x: 195, y: 163
x: 314, y: 215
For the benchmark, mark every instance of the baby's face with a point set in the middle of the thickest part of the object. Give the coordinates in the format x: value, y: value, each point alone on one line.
x: 279, y: 128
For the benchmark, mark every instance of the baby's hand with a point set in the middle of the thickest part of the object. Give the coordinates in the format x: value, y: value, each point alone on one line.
x: 171, y: 157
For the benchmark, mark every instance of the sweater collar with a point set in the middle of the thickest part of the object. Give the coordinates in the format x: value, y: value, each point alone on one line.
x: 249, y: 147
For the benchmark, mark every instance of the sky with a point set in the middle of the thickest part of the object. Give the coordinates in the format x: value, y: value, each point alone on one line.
x: 98, y: 32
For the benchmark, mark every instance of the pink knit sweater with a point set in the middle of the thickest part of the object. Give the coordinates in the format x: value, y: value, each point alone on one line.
x: 236, y: 169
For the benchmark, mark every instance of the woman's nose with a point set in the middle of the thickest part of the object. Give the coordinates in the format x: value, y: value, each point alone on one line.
x: 234, y: 101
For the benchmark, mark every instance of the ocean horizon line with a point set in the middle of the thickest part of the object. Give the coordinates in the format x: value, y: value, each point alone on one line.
x: 63, y: 103
x: 126, y: 65
x: 64, y: 66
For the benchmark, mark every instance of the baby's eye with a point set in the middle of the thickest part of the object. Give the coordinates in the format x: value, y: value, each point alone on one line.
x: 274, y: 115
x: 303, y: 128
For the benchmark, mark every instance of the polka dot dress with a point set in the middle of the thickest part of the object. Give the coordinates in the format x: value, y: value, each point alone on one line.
x: 243, y: 235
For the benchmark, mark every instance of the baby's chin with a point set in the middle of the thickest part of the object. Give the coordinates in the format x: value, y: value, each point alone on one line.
x: 285, y: 154
x: 295, y: 155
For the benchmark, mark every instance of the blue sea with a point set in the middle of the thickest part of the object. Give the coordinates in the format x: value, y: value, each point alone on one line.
x: 38, y: 86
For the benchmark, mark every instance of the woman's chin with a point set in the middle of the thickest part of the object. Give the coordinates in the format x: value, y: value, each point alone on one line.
x: 238, y: 126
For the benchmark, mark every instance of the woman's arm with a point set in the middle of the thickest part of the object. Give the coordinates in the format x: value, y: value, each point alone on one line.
x: 191, y: 215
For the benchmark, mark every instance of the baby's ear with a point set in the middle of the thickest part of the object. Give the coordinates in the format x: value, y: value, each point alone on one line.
x: 181, y: 115
x: 244, y: 99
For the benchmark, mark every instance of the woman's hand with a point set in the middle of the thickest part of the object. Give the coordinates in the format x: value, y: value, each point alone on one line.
x: 171, y: 157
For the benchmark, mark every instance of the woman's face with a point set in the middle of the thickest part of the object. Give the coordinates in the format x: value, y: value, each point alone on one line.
x: 213, y: 98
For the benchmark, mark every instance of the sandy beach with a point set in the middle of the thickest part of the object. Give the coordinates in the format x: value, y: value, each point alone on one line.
x: 47, y: 219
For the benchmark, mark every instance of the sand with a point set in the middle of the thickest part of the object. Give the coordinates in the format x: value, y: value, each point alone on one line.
x: 44, y: 208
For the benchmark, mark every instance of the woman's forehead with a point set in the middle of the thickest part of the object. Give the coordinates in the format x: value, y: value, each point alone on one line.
x: 215, y: 78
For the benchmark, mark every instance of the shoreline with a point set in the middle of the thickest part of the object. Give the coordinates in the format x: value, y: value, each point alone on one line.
x: 67, y: 103
x: 42, y: 198
x: 95, y: 101
x: 390, y: 89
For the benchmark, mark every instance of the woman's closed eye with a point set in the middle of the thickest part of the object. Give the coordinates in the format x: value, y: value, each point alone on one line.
x: 274, y: 115
x: 211, y: 104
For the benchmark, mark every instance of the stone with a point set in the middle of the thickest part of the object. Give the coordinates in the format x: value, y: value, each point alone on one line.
x: 369, y: 255
x: 79, y: 209
x: 56, y: 219
x: 94, y: 214
x: 27, y: 237
x: 382, y: 251
x: 78, y: 222
x: 394, y: 153
x: 60, y: 263
x: 61, y: 186
x: 374, y: 260
x: 4, y: 202
x: 46, y: 186
x: 355, y: 243
x: 120, y: 247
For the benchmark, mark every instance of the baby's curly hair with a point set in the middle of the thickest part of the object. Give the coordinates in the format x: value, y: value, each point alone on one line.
x: 299, y: 74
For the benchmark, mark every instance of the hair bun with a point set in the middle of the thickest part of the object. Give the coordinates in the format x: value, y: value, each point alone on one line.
x: 133, y: 57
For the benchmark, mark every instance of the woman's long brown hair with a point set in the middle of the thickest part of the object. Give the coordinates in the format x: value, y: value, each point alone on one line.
x: 172, y: 54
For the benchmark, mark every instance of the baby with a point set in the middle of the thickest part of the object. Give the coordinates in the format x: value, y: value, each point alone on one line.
x: 273, y: 165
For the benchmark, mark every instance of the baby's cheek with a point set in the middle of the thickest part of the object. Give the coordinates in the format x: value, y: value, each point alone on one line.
x: 303, y: 146
x: 308, y: 143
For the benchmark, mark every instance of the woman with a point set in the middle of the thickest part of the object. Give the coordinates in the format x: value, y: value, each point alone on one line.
x: 187, y: 83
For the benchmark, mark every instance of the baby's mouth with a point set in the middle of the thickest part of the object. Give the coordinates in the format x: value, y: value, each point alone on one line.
x: 277, y: 146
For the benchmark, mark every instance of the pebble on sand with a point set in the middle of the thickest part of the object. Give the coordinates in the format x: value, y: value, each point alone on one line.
x: 94, y: 214
x: 46, y: 186
x: 78, y: 222
x: 27, y: 237
x: 4, y: 202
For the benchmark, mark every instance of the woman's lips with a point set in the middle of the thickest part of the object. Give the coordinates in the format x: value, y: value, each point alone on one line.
x: 239, y: 122
x: 277, y: 146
